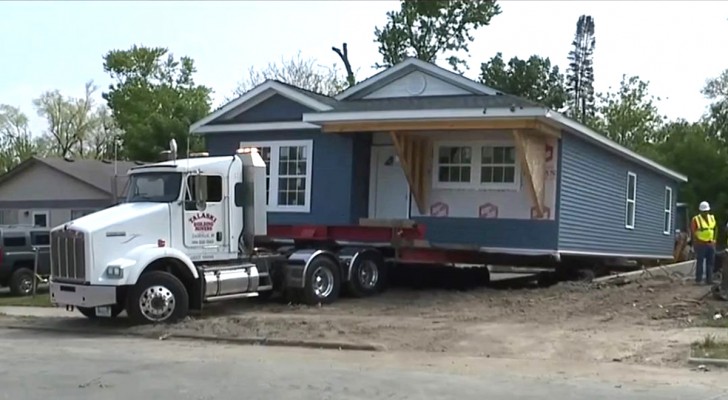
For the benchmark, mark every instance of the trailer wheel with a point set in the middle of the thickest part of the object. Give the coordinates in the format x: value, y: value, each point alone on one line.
x: 158, y: 297
x: 368, y: 274
x: 323, y: 282
x: 90, y: 312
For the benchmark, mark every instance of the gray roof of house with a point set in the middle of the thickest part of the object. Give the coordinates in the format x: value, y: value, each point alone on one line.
x: 435, y: 102
x: 95, y: 173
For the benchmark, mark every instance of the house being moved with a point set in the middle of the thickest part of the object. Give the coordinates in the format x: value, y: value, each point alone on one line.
x: 474, y: 167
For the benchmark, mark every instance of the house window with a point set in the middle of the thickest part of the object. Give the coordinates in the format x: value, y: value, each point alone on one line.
x: 631, y: 201
x: 454, y: 164
x: 476, y: 165
x: 667, y: 223
x: 288, y: 174
x: 40, y: 219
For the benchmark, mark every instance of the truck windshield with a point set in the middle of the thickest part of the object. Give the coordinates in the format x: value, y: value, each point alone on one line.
x: 159, y: 187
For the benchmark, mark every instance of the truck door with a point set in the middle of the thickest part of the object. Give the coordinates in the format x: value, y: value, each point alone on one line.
x: 204, y: 212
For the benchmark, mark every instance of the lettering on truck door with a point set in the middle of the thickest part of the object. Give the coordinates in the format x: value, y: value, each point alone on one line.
x: 204, y: 212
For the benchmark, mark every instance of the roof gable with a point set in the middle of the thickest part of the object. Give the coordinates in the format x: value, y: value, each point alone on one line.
x: 414, y: 77
x: 259, y: 94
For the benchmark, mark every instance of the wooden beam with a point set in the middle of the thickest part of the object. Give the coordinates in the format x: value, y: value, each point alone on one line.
x: 530, y: 149
x: 412, y: 159
x: 453, y: 125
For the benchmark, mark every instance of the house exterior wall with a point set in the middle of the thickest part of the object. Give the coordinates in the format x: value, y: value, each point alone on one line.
x: 508, y: 224
x: 332, y: 200
x: 592, y: 213
x: 274, y: 109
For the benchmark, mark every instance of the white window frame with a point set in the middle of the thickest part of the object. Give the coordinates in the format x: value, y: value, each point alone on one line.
x: 275, y: 146
x: 47, y: 215
x: 668, y: 211
x: 628, y: 201
x: 475, y: 166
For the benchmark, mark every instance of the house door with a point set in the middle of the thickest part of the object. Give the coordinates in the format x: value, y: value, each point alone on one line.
x: 389, y: 197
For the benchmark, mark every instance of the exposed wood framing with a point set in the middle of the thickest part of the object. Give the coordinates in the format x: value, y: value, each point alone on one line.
x: 476, y: 125
x: 413, y: 153
x: 530, y: 149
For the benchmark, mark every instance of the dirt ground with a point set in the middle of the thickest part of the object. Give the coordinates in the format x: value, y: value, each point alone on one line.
x: 648, y: 322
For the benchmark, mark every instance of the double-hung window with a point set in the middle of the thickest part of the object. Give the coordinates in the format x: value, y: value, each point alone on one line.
x: 631, y: 201
x: 288, y: 174
x: 667, y: 223
x: 476, y: 165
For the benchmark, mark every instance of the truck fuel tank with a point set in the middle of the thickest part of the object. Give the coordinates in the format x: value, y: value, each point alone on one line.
x: 230, y: 279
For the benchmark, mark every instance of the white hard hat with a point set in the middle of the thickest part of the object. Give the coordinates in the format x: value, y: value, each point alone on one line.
x: 704, y: 206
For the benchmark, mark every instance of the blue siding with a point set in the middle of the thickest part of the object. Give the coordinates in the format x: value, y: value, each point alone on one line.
x: 500, y: 233
x: 360, y: 176
x: 275, y: 109
x: 332, y: 172
x: 593, y: 189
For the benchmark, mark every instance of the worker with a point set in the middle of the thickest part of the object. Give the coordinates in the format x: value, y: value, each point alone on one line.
x: 704, y: 234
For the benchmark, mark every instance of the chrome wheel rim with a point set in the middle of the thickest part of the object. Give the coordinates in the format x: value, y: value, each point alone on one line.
x: 157, y: 303
x: 323, y: 282
x: 368, y: 274
x: 26, y: 285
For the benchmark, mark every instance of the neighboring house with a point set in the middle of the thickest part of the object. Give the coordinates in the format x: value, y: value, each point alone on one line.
x: 47, y: 192
x: 478, y: 168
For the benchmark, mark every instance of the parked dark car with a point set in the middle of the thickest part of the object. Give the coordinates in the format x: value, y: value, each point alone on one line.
x: 17, y: 257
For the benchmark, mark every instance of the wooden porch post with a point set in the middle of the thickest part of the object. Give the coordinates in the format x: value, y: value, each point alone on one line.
x: 413, y: 155
x: 530, y: 148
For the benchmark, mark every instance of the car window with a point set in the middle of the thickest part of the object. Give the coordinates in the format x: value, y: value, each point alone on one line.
x: 40, y: 238
x: 14, y: 241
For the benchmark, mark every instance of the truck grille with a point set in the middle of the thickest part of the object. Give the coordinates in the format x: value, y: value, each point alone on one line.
x: 68, y: 258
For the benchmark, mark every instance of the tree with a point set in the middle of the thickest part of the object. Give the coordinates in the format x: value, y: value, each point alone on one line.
x: 580, y: 75
x: 534, y: 79
x: 429, y: 29
x: 343, y: 54
x: 69, y: 119
x: 304, y: 73
x: 716, y: 89
x: 629, y: 116
x: 153, y: 99
x: 16, y: 141
x: 100, y: 141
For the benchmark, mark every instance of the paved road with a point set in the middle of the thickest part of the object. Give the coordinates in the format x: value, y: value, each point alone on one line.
x: 44, y: 366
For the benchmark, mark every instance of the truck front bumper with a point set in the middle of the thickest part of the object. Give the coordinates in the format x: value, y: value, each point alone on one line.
x: 67, y: 294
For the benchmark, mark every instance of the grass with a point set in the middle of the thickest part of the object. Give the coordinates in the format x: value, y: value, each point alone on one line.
x: 41, y: 299
x: 710, y: 347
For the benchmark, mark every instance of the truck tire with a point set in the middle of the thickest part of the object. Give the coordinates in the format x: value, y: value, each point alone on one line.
x: 21, y: 282
x: 322, y: 282
x: 157, y: 297
x: 90, y: 312
x: 368, y: 275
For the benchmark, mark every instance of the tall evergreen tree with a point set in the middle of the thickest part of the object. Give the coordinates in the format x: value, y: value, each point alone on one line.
x: 580, y: 75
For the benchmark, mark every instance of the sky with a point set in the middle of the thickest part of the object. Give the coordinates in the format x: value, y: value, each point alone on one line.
x: 44, y: 46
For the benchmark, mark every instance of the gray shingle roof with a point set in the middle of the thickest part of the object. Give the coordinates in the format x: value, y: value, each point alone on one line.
x: 96, y: 173
x: 434, y: 102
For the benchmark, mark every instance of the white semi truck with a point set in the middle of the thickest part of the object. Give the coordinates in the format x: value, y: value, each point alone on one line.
x: 185, y: 237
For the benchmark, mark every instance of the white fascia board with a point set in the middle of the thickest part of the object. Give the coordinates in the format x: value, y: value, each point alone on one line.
x: 258, y: 126
x: 603, y: 140
x: 404, y: 115
x: 267, y: 88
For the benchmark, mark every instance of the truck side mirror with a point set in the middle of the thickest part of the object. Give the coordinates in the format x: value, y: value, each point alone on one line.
x: 239, y: 194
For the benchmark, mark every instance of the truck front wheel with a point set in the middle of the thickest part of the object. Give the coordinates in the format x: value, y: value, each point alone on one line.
x: 158, y: 297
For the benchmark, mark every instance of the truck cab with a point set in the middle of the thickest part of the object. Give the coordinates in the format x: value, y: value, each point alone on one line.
x: 181, y: 233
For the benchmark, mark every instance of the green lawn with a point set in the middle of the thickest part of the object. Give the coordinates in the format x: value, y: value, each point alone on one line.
x: 42, y: 299
x: 710, y: 347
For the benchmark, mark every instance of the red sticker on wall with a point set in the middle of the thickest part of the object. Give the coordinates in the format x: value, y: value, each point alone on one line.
x: 546, y: 213
x: 439, y: 209
x: 488, y: 210
x: 549, y: 152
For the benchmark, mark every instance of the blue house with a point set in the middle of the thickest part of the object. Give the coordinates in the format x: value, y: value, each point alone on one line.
x: 479, y: 169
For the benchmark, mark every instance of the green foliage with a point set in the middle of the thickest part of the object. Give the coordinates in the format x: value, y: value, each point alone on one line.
x: 154, y: 99
x: 580, y: 74
x: 426, y: 29
x: 534, y: 79
x: 16, y: 142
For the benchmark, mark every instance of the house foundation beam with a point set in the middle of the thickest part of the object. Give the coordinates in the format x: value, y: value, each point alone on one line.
x: 530, y: 149
x: 413, y: 155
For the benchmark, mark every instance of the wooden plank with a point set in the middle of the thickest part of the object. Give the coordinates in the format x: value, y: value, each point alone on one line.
x: 477, y: 125
x: 530, y: 149
x: 401, y: 144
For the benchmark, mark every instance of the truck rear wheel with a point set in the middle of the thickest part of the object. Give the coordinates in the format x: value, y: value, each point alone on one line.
x: 368, y: 274
x: 158, y: 297
x: 21, y: 282
x: 323, y: 282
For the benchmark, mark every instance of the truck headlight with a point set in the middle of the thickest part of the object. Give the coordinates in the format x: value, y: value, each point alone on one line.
x: 114, y: 272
